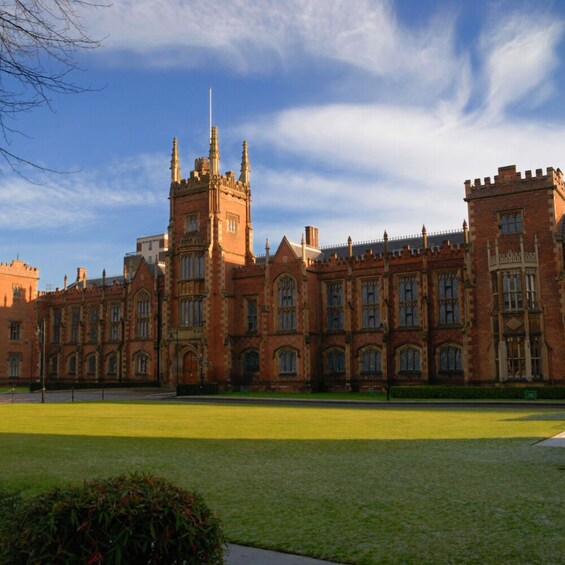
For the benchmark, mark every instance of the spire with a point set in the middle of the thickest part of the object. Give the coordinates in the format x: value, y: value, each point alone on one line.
x: 214, y: 152
x: 175, y: 163
x: 245, y: 169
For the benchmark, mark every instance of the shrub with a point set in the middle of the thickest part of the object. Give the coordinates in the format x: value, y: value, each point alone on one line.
x: 483, y: 392
x: 10, y: 503
x: 127, y: 519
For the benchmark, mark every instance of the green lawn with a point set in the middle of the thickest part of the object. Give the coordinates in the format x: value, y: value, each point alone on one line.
x: 350, y: 485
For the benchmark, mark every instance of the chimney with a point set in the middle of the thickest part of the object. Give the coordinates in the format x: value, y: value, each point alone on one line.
x: 312, y: 237
x: 81, y: 276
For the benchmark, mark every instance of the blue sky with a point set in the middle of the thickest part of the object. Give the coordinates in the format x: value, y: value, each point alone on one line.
x: 360, y: 116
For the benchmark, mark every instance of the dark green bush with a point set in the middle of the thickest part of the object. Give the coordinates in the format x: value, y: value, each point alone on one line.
x: 130, y: 519
x: 481, y: 392
x: 10, y: 503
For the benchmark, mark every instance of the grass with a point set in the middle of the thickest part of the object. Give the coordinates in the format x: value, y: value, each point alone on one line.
x: 350, y: 485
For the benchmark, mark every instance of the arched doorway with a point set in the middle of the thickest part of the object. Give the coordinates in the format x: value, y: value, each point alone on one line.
x: 189, y: 368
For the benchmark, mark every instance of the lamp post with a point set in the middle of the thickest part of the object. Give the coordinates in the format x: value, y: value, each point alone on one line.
x: 202, y: 362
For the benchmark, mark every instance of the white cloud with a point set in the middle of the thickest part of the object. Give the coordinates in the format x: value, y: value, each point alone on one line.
x: 75, y: 200
x: 245, y: 36
x: 520, y: 56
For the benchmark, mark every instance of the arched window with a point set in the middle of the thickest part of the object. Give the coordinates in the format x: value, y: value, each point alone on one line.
x: 287, y: 362
x: 287, y: 303
x: 336, y: 361
x: 112, y: 365
x: 251, y: 361
x: 409, y: 360
x: 450, y: 359
x: 371, y: 360
x: 72, y: 364
x: 142, y: 364
x: 91, y: 364
x: 143, y: 315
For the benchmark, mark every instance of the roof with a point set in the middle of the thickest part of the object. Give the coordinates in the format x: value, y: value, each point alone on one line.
x: 108, y: 281
x: 394, y: 244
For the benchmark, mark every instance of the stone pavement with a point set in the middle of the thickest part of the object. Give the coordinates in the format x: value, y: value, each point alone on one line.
x: 555, y: 441
x: 243, y: 555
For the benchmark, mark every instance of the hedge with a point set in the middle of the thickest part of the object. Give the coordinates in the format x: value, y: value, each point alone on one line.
x: 195, y: 389
x: 482, y: 392
x: 68, y: 385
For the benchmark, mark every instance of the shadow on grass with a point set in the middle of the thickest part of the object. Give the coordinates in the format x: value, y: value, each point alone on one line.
x: 354, y: 501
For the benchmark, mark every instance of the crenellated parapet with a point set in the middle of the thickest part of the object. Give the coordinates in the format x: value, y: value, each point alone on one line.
x: 508, y: 181
x: 17, y: 267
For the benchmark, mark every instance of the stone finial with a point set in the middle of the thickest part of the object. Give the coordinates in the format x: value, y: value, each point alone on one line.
x: 103, y: 277
x: 245, y: 168
x: 267, y: 249
x: 424, y: 238
x: 175, y: 163
x: 65, y: 282
x: 350, y: 246
x: 214, y: 152
x: 385, y: 243
x: 303, y: 244
x: 465, y: 232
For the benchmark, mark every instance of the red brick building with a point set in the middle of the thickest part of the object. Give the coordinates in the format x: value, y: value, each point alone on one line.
x: 18, y: 346
x: 481, y: 305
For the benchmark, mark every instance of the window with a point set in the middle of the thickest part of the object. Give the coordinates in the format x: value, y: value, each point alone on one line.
x: 251, y: 361
x: 72, y: 365
x: 112, y: 367
x: 409, y: 360
x: 287, y: 362
x: 531, y: 290
x: 54, y: 365
x: 91, y: 364
x: 192, y: 266
x: 251, y: 315
x: 142, y: 364
x: 15, y: 331
x: 408, y: 301
x: 336, y: 361
x: 515, y: 357
x: 56, y: 325
x: 75, y: 323
x: 191, y: 312
x: 150, y: 245
x: 371, y: 318
x: 535, y: 353
x: 512, y: 291
x: 233, y: 222
x: 14, y: 365
x: 17, y: 292
x: 450, y: 359
x: 510, y: 222
x: 371, y: 360
x: 334, y: 306
x: 191, y: 222
x: 448, y: 298
x: 115, y: 315
x: 287, y: 304
x: 143, y: 314
x: 93, y: 324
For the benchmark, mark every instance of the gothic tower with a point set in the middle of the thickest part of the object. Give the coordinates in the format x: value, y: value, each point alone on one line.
x: 209, y: 234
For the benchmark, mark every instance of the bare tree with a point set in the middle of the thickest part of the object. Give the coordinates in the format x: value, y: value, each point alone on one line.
x: 39, y: 43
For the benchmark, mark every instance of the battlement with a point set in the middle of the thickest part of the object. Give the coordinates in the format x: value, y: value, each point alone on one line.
x: 19, y: 268
x: 509, y: 180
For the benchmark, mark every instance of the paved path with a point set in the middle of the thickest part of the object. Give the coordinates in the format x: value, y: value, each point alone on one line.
x: 243, y: 555
x: 555, y: 441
